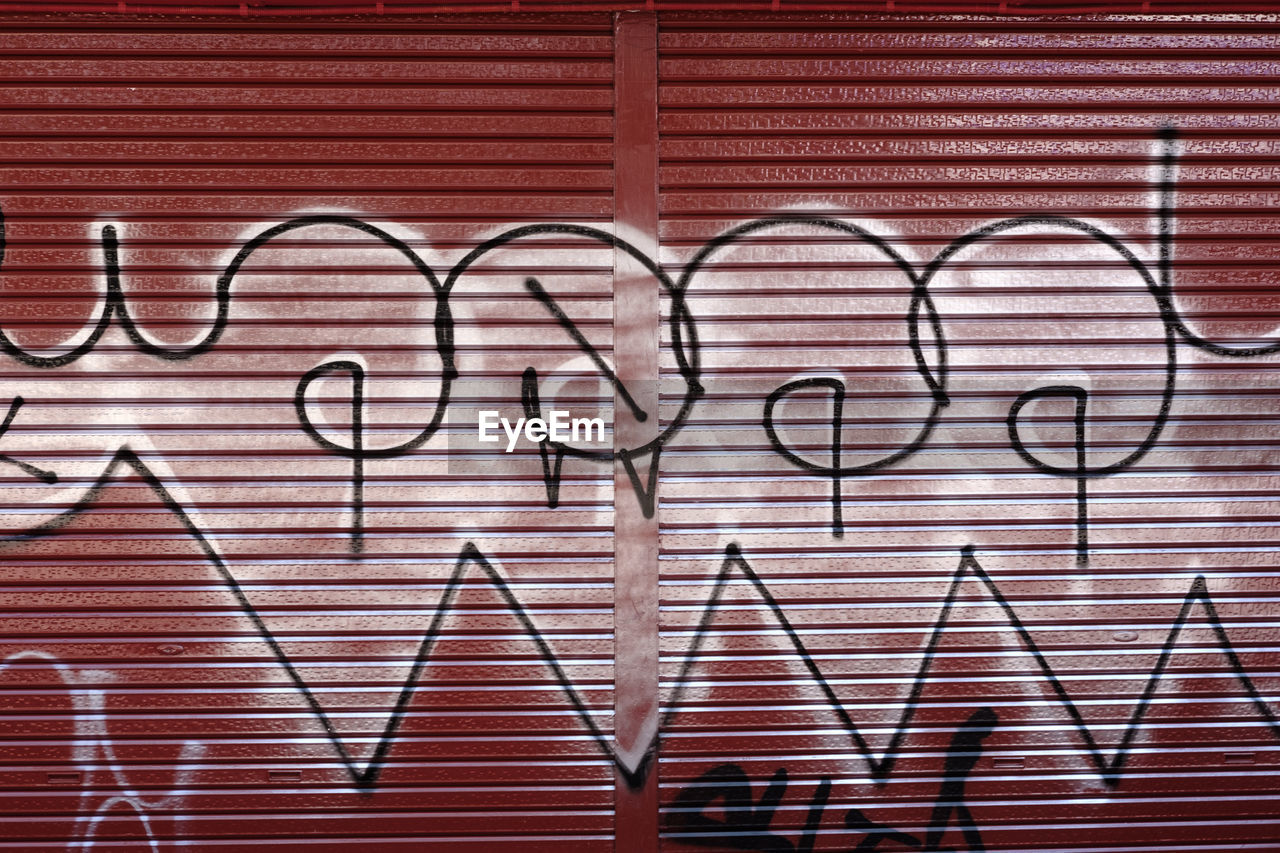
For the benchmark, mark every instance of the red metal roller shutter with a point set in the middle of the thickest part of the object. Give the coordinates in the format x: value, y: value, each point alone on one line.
x: 143, y: 698
x: 242, y: 615
x: 861, y: 680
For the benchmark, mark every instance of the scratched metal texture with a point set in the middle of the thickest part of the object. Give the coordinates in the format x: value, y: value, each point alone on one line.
x: 918, y: 134
x: 140, y: 702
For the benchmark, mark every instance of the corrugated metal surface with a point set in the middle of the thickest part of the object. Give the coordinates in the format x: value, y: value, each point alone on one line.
x: 863, y: 682
x: 187, y: 694
x: 267, y: 601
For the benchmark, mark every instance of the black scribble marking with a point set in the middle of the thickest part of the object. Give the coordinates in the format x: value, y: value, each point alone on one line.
x: 468, y: 558
x: 875, y: 833
x: 471, y: 556
x: 533, y: 409
x: 646, y: 488
x: 1164, y: 290
x: 1110, y: 769
x: 683, y: 335
x: 746, y: 821
x: 962, y: 757
x: 686, y: 353
x: 1081, y: 472
x: 540, y: 293
x: 812, y: 823
x: 835, y: 471
x: 356, y: 452
x: 39, y: 473
x: 920, y: 301
x: 746, y: 824
x: 684, y: 343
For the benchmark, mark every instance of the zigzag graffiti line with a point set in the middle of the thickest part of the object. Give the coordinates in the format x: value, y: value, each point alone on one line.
x: 1109, y: 769
x: 470, y: 555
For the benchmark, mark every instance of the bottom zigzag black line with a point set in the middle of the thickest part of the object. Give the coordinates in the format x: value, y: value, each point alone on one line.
x: 1109, y: 769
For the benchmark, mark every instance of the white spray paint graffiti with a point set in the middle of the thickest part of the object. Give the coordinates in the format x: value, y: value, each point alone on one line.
x: 93, y: 752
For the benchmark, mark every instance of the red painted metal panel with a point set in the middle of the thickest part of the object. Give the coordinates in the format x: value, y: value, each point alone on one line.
x: 1025, y: 600
x: 969, y: 649
x: 241, y: 638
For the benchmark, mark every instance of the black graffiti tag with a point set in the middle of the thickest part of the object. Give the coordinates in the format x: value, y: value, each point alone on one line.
x: 746, y: 822
x: 922, y: 322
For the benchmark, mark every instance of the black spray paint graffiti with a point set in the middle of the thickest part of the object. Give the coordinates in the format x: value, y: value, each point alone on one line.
x: 116, y: 304
x: 686, y: 352
x: 1110, y: 769
x: 685, y: 349
x: 746, y: 822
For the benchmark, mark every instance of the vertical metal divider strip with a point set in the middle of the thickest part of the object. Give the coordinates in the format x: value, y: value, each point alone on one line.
x: 636, y: 315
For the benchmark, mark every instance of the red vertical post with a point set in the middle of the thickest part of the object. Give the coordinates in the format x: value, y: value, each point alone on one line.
x: 635, y: 347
